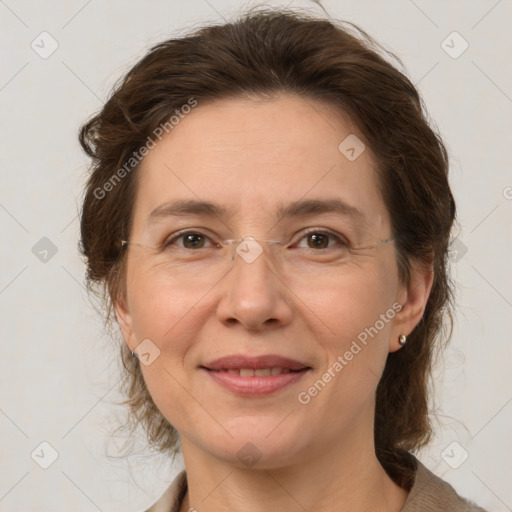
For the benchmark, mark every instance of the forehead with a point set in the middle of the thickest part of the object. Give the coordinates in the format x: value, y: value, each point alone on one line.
x: 254, y: 156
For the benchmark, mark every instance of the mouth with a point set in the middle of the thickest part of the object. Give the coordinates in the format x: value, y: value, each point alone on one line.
x: 259, y: 372
x: 259, y: 365
x: 255, y: 377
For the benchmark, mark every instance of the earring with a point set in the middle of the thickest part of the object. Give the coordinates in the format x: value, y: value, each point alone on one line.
x: 402, y: 339
x: 133, y: 354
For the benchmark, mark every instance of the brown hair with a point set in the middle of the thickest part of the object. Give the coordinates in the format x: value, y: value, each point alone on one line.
x: 267, y: 52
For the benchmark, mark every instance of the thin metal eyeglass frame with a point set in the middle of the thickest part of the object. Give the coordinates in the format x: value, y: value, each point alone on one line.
x: 125, y: 243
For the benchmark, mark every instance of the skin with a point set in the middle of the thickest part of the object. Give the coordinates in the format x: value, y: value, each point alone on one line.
x: 252, y: 155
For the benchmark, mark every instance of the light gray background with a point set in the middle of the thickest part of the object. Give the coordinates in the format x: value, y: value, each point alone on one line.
x: 58, y: 374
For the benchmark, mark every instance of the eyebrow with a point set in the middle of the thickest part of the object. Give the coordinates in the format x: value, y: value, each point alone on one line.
x: 300, y: 208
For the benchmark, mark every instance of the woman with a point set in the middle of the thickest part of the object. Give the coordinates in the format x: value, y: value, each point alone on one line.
x: 269, y: 215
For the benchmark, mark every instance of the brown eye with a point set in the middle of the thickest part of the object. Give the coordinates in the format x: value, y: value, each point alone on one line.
x: 321, y: 240
x: 190, y: 240
x: 193, y: 241
x: 318, y: 240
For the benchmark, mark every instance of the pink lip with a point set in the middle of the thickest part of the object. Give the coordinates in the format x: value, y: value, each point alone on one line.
x: 267, y: 361
x: 255, y: 386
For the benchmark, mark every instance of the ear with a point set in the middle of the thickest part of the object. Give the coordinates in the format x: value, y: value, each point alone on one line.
x: 124, y: 319
x: 413, y: 299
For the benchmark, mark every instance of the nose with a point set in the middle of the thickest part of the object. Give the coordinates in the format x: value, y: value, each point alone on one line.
x: 253, y: 294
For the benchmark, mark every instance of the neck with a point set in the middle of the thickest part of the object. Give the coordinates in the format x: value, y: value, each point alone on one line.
x: 343, y: 478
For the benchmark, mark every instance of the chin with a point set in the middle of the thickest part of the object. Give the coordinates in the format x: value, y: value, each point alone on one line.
x: 259, y: 443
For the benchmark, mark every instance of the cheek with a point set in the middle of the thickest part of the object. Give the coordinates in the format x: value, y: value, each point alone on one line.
x: 353, y: 301
x: 158, y: 305
x: 170, y: 394
x: 165, y: 314
x: 356, y: 313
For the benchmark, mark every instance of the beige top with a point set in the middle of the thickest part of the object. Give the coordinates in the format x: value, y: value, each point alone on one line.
x: 429, y: 493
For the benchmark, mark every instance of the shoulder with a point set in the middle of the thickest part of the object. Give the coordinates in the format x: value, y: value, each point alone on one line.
x: 429, y: 493
x: 171, y: 499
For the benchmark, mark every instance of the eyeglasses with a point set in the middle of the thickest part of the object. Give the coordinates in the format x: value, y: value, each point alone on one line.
x: 201, y: 259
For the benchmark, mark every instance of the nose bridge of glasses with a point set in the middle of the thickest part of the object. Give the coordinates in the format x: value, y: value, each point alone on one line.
x: 248, y: 248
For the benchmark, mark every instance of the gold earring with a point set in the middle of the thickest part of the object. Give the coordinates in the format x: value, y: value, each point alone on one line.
x: 402, y: 339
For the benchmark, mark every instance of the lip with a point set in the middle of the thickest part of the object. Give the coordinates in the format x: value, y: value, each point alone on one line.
x: 239, y: 361
x: 255, y: 386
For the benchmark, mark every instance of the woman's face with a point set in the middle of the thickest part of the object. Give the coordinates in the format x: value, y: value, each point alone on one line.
x: 316, y: 307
